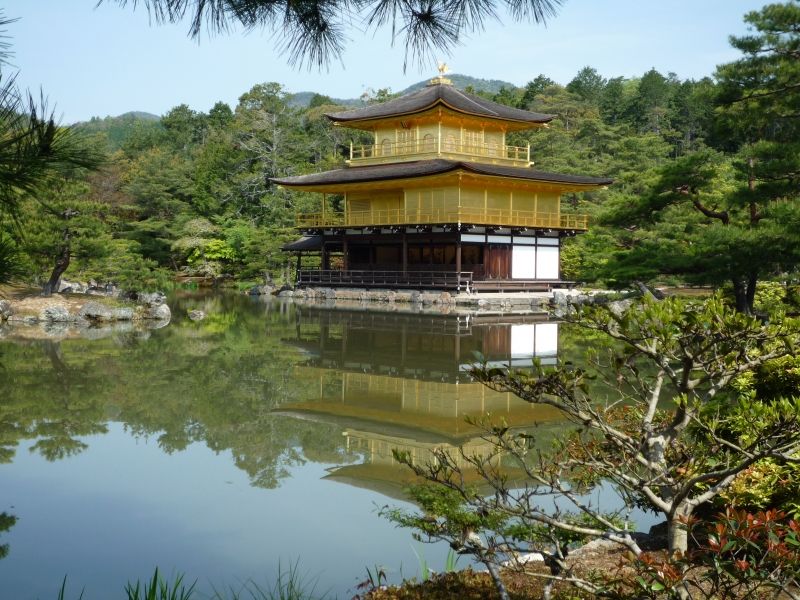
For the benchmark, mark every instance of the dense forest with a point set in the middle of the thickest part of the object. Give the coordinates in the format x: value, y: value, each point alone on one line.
x: 706, y: 177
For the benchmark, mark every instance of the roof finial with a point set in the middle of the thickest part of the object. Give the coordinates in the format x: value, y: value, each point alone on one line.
x: 441, y: 79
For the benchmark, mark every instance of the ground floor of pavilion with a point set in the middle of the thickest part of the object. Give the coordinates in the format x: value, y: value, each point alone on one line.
x: 427, y: 258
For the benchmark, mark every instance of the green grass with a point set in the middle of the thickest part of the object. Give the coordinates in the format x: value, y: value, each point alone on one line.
x: 159, y: 588
x: 62, y: 593
x: 290, y: 584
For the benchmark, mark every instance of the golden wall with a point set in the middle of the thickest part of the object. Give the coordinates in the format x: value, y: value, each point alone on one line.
x: 448, y: 198
x: 431, y: 199
x: 453, y: 137
x: 377, y: 200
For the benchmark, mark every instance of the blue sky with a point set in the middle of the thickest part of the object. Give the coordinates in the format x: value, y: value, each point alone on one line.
x: 108, y: 60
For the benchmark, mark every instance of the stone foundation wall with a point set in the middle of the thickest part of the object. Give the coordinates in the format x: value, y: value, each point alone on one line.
x: 414, y: 300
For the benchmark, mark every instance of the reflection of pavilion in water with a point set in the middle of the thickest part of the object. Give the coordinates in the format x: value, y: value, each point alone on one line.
x: 401, y: 382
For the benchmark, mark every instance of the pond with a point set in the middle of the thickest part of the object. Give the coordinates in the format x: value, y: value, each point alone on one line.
x: 258, y: 437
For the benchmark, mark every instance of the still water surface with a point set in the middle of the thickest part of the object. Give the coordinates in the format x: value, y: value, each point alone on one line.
x: 218, y: 449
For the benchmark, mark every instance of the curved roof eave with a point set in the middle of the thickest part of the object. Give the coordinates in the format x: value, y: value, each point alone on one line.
x: 430, y: 168
x: 429, y: 97
x: 542, y: 121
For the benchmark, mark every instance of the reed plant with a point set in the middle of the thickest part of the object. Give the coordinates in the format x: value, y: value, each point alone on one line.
x: 62, y: 592
x: 159, y: 588
x: 290, y: 584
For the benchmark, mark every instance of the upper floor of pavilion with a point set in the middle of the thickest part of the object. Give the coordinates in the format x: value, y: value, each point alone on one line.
x: 440, y: 121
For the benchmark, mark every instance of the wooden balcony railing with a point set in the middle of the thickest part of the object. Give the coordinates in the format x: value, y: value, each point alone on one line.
x: 450, y: 280
x: 473, y: 216
x: 434, y: 146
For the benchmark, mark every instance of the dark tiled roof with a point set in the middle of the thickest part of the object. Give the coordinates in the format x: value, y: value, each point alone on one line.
x: 424, y: 168
x: 310, y: 242
x: 429, y: 96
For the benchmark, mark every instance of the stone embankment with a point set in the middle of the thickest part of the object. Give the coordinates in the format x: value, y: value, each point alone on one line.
x: 558, y: 302
x: 74, y: 314
x: 416, y: 301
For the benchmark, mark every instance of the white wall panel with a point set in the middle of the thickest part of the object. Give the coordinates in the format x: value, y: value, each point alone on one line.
x: 547, y: 262
x: 523, y: 262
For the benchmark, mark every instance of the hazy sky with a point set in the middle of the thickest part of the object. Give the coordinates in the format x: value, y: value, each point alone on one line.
x: 108, y: 60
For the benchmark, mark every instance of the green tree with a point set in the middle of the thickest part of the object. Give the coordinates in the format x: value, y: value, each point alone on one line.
x: 666, y: 434
x: 588, y: 84
x: 220, y: 116
x: 649, y: 107
x: 534, y: 88
x: 34, y: 150
x: 715, y: 217
x: 270, y: 136
x: 320, y: 100
x: 186, y: 127
x: 507, y: 96
x: 158, y: 181
x: 62, y: 231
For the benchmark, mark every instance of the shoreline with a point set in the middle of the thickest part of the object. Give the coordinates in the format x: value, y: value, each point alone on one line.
x: 556, y: 302
x: 63, y: 316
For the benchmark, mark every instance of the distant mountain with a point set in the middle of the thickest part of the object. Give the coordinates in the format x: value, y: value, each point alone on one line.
x: 132, y: 115
x: 303, y: 99
x: 492, y: 86
x: 118, y: 129
x: 139, y: 114
x: 464, y: 81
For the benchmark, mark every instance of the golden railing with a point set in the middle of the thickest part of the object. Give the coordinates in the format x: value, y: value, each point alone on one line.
x: 434, y: 146
x: 476, y: 216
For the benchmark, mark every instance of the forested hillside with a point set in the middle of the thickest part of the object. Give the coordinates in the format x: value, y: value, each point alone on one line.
x: 491, y: 86
x: 705, y: 177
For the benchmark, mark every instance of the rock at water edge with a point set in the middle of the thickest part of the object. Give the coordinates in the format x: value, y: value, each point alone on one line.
x: 55, y: 314
x: 5, y: 310
x: 122, y: 314
x: 159, y: 312
x: 94, y: 311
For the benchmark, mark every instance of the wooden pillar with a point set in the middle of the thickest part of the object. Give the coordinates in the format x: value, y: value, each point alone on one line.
x: 297, y: 270
x: 458, y: 265
x: 345, y: 258
x: 405, y: 253
x: 325, y: 262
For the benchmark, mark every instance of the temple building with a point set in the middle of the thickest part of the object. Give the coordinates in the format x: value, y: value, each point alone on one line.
x: 438, y: 200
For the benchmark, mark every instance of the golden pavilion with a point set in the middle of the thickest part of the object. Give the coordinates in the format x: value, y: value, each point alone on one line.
x: 438, y: 200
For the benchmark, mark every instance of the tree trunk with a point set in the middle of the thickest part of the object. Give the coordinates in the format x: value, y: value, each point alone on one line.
x: 677, y: 535
x: 678, y: 539
x: 498, y: 583
x: 752, y: 280
x: 62, y: 263
x: 744, y: 292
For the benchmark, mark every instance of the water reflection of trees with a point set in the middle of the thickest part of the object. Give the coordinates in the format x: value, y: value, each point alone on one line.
x: 7, y: 521
x: 215, y: 382
x: 238, y: 381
